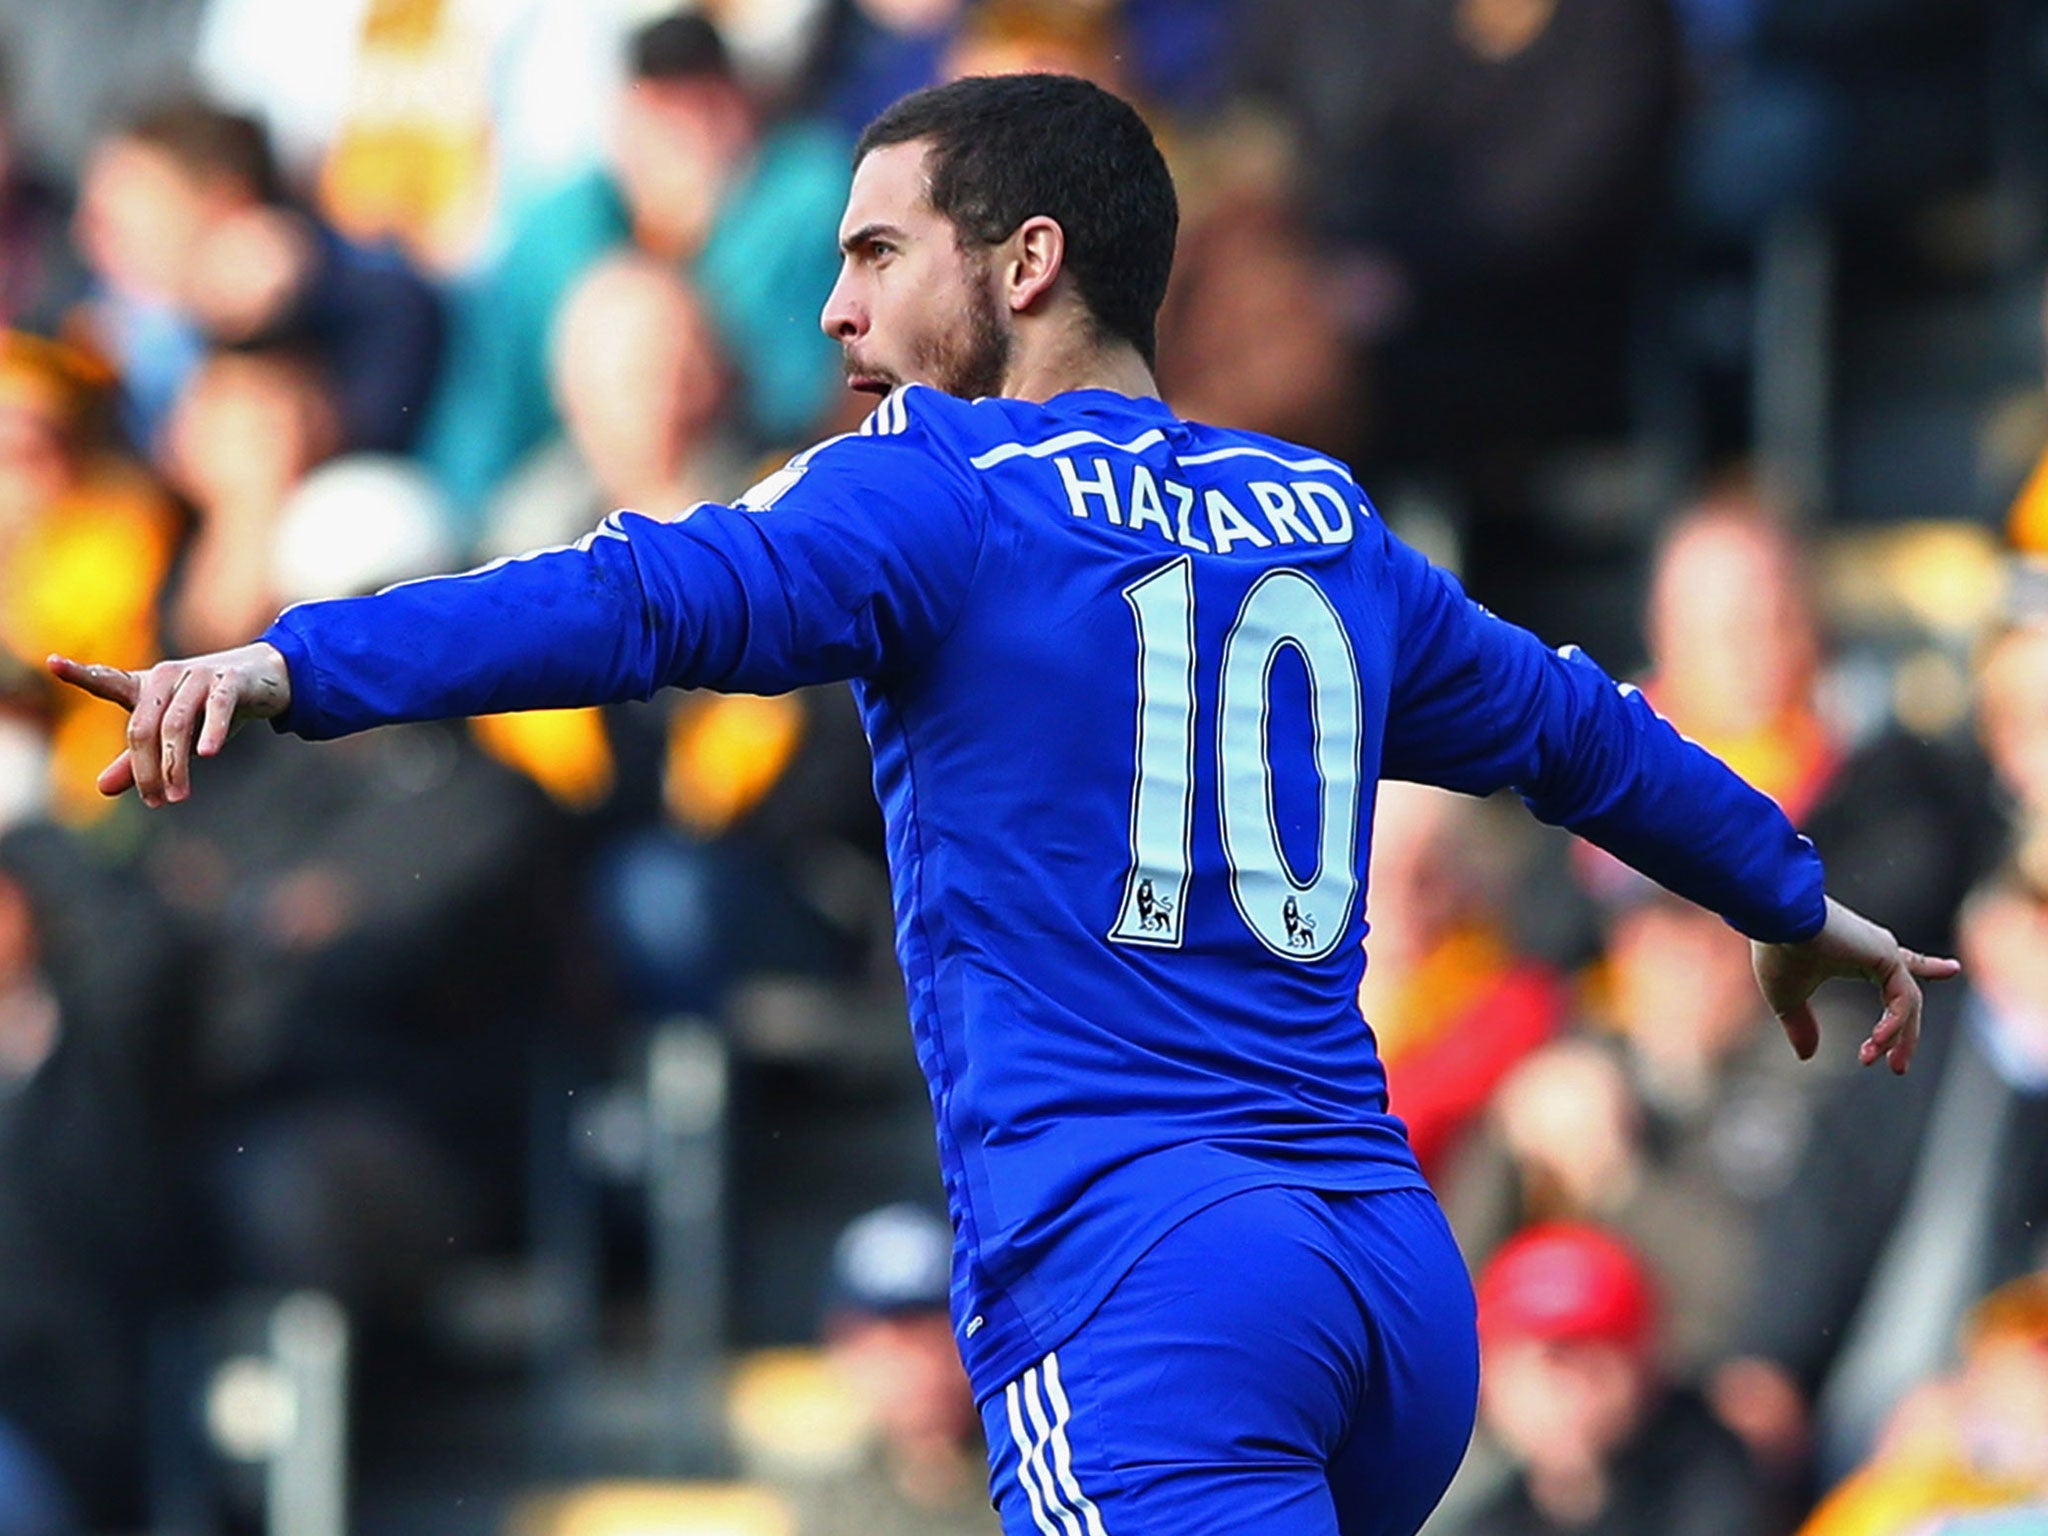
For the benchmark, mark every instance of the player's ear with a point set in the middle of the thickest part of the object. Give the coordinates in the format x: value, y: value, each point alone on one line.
x: 1033, y: 257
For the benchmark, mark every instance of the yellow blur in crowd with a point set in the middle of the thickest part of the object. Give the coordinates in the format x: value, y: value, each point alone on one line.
x: 1976, y: 1440
x: 86, y: 542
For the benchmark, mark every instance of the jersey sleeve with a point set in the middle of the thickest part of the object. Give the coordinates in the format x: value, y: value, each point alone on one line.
x: 852, y: 561
x: 1479, y: 704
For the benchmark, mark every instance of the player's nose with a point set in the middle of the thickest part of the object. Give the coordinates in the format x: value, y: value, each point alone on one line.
x: 842, y: 319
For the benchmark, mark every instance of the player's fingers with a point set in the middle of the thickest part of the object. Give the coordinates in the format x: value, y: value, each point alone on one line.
x: 181, y: 723
x: 1932, y: 967
x: 110, y: 683
x: 1897, y: 1034
x: 118, y: 777
x: 1802, y: 1029
x: 221, y: 698
x: 1899, y: 1053
x: 145, y: 725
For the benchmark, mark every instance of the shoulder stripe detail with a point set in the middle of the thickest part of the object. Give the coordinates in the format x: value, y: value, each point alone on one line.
x: 608, y: 529
x: 1247, y: 451
x: 888, y: 418
x: 1002, y: 453
x: 804, y: 458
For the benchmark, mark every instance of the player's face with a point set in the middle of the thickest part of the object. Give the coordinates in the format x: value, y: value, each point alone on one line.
x: 911, y: 305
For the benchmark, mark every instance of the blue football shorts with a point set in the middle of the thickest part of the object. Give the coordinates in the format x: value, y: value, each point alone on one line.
x: 1283, y: 1363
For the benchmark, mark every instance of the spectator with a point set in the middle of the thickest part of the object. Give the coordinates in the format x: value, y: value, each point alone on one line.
x: 370, y: 941
x: 359, y: 522
x: 1452, y: 1004
x: 1569, y: 1385
x: 1908, y: 825
x: 82, y: 62
x: 1019, y: 37
x: 252, y: 448
x: 1870, y: 1268
x: 39, y: 276
x: 872, y: 51
x: 696, y: 179
x: 184, y: 222
x: 643, y: 390
x: 2026, y: 524
x: 1844, y: 106
x: 1252, y: 333
x: 767, y: 859
x: 1490, y: 169
x: 1734, y: 647
x: 410, y: 165
x: 86, y: 541
x: 94, y: 1214
x: 1672, y: 1118
x: 888, y: 1332
x: 1243, y: 339
x: 1970, y: 1443
x: 414, y: 125
x: 245, y: 432
x: 31, y: 1497
x: 642, y: 386
x: 2012, y: 701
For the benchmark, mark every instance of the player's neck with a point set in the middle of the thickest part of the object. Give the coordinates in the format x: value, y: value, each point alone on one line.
x: 1061, y: 362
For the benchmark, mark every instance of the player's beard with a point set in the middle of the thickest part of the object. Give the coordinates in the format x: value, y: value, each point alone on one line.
x: 972, y: 360
x: 969, y: 361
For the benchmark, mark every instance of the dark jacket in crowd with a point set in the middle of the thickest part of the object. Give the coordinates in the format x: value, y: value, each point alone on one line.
x: 1682, y: 1475
x: 1829, y: 1230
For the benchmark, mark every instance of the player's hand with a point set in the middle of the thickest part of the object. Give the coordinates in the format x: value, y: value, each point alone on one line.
x: 179, y: 708
x: 1849, y: 944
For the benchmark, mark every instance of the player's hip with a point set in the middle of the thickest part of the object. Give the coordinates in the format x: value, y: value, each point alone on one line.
x: 1248, y: 1374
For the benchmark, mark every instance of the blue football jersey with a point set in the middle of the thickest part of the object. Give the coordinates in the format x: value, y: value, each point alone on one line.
x: 1130, y: 683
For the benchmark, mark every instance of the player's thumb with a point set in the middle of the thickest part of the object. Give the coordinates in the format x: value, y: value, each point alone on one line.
x: 1802, y: 1029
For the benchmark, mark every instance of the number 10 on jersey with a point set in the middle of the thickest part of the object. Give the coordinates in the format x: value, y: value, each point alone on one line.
x: 1296, y: 918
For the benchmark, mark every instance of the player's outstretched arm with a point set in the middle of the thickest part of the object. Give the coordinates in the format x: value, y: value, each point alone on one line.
x: 1849, y: 944
x: 179, y: 708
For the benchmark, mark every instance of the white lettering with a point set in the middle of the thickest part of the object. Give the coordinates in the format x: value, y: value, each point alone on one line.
x: 1183, y: 504
x: 1099, y: 484
x: 1278, y: 505
x: 1227, y: 525
x: 1335, y: 525
x: 1146, y: 507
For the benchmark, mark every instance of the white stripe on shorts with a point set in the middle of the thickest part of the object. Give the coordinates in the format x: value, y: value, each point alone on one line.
x: 1027, y: 1453
x: 1062, y: 1453
x: 1045, y: 1464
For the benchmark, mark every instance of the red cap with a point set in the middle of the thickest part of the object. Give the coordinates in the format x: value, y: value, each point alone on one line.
x: 1567, y: 1280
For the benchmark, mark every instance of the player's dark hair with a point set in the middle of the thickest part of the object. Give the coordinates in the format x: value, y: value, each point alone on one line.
x: 209, y: 141
x: 679, y: 46
x: 1009, y: 147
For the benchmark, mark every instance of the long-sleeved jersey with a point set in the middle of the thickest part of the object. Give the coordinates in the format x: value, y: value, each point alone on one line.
x: 1130, y: 683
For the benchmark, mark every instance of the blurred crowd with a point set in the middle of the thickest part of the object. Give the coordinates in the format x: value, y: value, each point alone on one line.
x: 1705, y: 333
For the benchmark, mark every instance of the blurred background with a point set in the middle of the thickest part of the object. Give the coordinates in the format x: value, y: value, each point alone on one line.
x: 511, y: 1126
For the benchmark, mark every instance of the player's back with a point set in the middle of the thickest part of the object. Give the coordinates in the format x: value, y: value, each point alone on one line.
x: 1129, y: 798
x: 1130, y: 683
